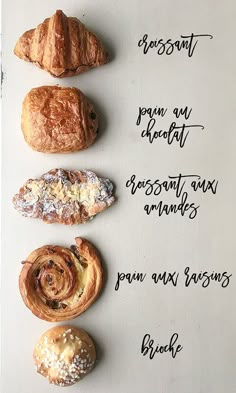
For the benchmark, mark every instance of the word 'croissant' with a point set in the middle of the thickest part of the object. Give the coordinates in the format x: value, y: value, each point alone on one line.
x: 62, y: 46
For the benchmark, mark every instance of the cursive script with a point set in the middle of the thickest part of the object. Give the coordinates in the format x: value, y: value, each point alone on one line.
x: 150, y: 349
x: 162, y: 47
x: 180, y: 185
x: 173, y: 132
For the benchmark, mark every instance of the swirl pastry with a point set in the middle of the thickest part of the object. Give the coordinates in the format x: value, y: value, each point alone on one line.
x: 58, y: 120
x: 66, y: 197
x: 64, y: 355
x: 58, y: 283
x: 61, y: 45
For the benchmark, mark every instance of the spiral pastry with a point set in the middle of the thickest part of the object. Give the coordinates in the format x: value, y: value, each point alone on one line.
x: 58, y: 283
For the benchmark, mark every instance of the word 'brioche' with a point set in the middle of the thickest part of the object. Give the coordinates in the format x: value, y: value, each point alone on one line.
x: 61, y: 45
x: 64, y: 355
x: 58, y: 283
x: 58, y: 120
x: 66, y: 197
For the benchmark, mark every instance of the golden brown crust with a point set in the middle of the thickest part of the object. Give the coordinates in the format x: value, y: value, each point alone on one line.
x: 58, y: 120
x: 64, y: 355
x: 58, y: 284
x: 62, y: 46
x: 66, y: 197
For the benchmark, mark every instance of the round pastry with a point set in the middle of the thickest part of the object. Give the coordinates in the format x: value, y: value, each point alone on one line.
x: 64, y: 355
x: 58, y: 120
x: 58, y: 283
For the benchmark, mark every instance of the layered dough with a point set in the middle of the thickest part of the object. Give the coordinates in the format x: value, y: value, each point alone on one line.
x: 66, y: 197
x: 64, y: 355
x: 61, y: 45
x: 58, y: 283
x: 58, y: 120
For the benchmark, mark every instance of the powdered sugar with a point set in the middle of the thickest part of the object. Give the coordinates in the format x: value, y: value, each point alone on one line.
x: 65, y: 196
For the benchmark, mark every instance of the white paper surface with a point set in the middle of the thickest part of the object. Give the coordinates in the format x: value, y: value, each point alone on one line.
x: 129, y: 240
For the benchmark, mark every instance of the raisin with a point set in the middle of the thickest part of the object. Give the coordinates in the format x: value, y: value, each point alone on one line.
x: 36, y: 272
x: 75, y: 251
x: 49, y: 279
x: 50, y: 263
x: 54, y: 304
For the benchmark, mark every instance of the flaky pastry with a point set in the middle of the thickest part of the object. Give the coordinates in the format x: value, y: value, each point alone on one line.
x: 61, y: 45
x: 64, y: 355
x: 58, y: 283
x: 66, y: 197
x: 58, y: 120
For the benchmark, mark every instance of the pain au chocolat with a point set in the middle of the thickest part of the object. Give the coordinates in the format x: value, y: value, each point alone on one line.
x: 64, y: 355
x: 63, y: 196
x: 58, y: 283
x: 58, y: 120
x: 61, y: 45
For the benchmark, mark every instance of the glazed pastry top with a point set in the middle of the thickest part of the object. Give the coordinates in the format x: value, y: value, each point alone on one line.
x: 62, y: 46
x: 64, y: 355
x: 58, y: 283
x: 58, y: 119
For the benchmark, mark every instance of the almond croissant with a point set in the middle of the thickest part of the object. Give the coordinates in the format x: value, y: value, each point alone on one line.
x: 62, y: 46
x: 66, y: 197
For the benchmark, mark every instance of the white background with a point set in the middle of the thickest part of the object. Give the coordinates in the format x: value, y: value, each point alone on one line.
x: 127, y: 238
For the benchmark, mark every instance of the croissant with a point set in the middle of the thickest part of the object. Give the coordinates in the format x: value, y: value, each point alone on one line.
x: 66, y: 197
x: 58, y: 283
x: 58, y: 120
x: 61, y: 45
x: 64, y: 355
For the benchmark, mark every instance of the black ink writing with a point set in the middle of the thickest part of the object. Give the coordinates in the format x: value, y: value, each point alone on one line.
x: 149, y: 347
x: 187, y: 279
x: 180, y: 184
x: 129, y: 277
x: 205, y: 278
x: 174, y: 134
x: 182, y: 112
x: 178, y: 133
x: 186, y: 42
x: 182, y: 208
x: 151, y: 112
x: 166, y: 278
x: 155, y: 187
